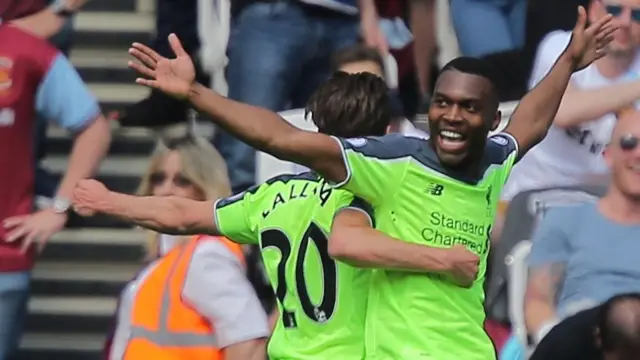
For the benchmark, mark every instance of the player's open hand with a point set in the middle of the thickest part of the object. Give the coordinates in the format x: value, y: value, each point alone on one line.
x: 589, y: 43
x: 463, y: 265
x: 88, y: 197
x: 171, y: 76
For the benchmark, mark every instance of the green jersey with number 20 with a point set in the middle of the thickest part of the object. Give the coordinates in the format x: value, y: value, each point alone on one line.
x: 414, y: 198
x: 322, y: 303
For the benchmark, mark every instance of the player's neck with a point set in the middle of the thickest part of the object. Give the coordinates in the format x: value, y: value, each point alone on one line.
x: 619, y: 207
x: 614, y: 65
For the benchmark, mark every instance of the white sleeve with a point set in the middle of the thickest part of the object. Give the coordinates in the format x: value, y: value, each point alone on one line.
x: 549, y: 50
x: 216, y: 286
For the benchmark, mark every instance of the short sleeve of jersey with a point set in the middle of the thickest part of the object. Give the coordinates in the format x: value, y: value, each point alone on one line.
x: 347, y: 200
x: 64, y: 98
x: 375, y: 165
x: 238, y: 216
x: 548, y: 52
x: 502, y: 150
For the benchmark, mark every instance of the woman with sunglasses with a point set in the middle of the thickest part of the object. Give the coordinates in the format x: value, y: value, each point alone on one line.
x: 193, y: 300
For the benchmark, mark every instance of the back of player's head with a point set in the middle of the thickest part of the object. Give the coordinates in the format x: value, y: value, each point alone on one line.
x: 351, y: 105
x: 478, y: 67
x: 619, y: 326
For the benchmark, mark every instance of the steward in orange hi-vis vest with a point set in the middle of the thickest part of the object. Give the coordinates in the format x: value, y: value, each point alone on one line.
x: 163, y: 324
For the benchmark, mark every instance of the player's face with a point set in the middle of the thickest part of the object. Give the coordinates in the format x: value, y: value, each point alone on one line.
x: 461, y: 114
x: 362, y: 66
x: 627, y: 17
x: 168, y: 179
x: 623, y: 157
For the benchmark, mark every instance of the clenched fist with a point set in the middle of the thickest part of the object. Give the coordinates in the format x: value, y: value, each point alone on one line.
x: 88, y: 196
x: 463, y: 265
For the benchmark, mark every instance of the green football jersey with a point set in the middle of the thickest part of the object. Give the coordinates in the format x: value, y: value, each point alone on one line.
x: 416, y: 316
x: 322, y: 302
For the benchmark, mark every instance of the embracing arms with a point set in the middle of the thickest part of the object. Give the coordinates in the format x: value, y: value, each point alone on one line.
x: 354, y: 241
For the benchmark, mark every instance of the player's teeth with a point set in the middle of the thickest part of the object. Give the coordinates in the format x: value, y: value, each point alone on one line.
x: 450, y: 134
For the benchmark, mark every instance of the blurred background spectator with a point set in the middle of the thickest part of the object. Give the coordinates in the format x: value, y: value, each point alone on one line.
x: 607, y: 332
x: 37, y: 81
x: 572, y: 151
x: 581, y: 256
x: 294, y: 42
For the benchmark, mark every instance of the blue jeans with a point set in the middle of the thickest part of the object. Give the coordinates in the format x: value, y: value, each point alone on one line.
x: 278, y: 55
x: 14, y: 293
x: 488, y: 26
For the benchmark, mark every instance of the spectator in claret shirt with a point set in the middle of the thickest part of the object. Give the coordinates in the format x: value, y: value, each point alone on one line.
x: 35, y: 79
x: 51, y: 19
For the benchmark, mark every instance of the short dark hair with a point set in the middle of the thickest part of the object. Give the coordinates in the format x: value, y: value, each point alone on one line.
x: 351, y: 105
x: 478, y: 67
x: 357, y: 53
x: 619, y: 325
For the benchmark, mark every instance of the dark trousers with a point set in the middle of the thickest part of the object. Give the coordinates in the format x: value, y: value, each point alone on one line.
x: 572, y: 339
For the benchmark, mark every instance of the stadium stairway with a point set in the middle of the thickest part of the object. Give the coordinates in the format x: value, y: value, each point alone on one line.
x: 82, y: 270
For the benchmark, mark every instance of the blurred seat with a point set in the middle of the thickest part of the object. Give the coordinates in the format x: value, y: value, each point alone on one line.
x: 517, y: 274
x: 445, y: 36
x: 506, y: 284
x: 268, y: 166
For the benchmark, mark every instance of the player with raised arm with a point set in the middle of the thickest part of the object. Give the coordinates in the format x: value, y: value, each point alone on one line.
x: 322, y: 302
x: 441, y: 191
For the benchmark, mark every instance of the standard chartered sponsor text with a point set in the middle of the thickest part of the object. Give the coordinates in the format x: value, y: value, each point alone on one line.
x: 447, y: 231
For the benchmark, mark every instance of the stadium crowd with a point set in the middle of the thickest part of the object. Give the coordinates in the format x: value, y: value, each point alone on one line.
x: 561, y: 280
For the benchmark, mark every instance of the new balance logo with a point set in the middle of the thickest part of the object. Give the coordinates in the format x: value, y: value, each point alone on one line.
x: 435, y: 189
x: 488, y: 196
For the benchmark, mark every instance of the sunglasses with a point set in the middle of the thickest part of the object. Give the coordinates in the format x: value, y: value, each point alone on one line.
x: 628, y: 142
x: 179, y: 180
x: 617, y: 10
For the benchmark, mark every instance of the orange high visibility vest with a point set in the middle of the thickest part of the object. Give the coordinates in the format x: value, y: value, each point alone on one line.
x: 163, y: 326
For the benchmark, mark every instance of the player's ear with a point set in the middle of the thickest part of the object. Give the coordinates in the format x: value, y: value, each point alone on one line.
x: 496, y: 120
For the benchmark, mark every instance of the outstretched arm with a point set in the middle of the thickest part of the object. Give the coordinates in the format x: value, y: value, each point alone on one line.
x: 267, y: 131
x: 537, y: 110
x: 165, y: 214
x: 258, y: 127
x: 355, y: 242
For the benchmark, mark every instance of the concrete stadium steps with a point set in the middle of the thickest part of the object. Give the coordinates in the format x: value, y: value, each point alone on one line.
x: 103, y: 66
x: 81, y: 278
x: 56, y: 346
x: 104, y: 25
x: 101, y: 245
x: 132, y: 142
x: 117, y: 96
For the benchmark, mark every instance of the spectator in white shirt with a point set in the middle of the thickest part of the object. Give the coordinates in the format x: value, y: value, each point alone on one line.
x: 571, y: 153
